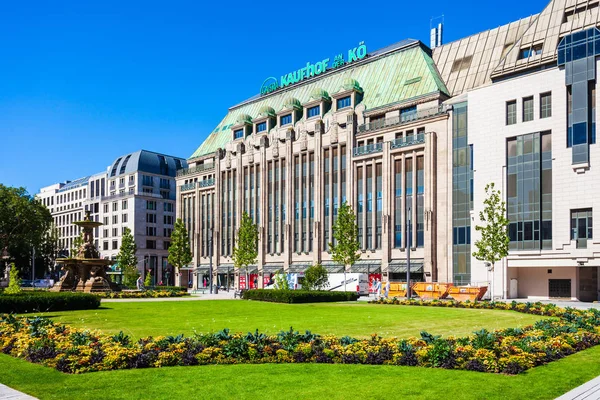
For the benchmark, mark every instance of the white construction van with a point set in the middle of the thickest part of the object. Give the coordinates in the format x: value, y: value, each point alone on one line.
x: 354, y: 283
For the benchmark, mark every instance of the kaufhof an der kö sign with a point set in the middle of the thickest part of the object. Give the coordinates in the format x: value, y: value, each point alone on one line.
x: 271, y: 84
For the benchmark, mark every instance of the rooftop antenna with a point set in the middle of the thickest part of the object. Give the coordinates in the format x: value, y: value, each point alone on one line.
x: 436, y: 25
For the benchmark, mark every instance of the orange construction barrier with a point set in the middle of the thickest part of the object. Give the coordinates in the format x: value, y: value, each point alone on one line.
x: 431, y: 290
x: 464, y: 293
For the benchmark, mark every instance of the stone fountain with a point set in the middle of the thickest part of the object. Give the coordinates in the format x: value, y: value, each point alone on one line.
x: 86, y: 272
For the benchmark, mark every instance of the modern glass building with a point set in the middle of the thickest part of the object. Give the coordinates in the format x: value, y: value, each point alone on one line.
x: 409, y: 136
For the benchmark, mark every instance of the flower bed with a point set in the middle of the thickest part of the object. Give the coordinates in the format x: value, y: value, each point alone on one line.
x: 146, y: 294
x: 36, y: 301
x: 298, y: 296
x: 509, y: 351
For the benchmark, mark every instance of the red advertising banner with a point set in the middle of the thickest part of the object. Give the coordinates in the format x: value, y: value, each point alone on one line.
x: 372, y: 278
x: 242, y: 281
x: 253, y: 281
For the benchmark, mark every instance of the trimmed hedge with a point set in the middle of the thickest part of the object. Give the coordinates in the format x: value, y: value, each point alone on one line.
x: 298, y: 296
x: 40, y: 301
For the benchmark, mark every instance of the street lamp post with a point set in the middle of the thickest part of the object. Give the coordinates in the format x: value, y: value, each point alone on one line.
x: 33, y: 267
x: 408, y: 291
x: 5, y: 258
x: 210, y: 268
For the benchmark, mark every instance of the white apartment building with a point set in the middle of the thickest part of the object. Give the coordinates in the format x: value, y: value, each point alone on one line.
x: 137, y: 191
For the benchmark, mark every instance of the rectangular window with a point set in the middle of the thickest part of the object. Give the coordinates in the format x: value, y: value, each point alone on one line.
x: 167, y: 232
x: 124, y: 218
x: 105, y: 245
x: 408, y: 114
x: 168, y: 207
x: 314, y: 111
x: 545, y: 105
x: 168, y: 219
x: 115, y: 232
x: 151, y: 218
x: 106, y: 208
x: 261, y: 127
x: 115, y: 245
x: 529, y: 191
x: 530, y: 51
x: 286, y: 119
x: 581, y: 227
x: 528, y: 109
x: 151, y: 244
x: 344, y: 102
x: 150, y: 231
x: 115, y: 219
x: 105, y: 220
x: 238, y: 134
x: 150, y: 205
x: 511, y: 112
x: 147, y: 180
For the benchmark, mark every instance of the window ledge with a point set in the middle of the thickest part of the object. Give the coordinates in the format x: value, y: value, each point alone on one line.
x: 581, y: 168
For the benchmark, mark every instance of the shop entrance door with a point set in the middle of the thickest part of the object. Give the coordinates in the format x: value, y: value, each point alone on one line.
x: 559, y: 288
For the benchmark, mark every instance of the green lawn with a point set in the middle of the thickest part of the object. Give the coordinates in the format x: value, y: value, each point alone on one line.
x: 301, y: 381
x: 140, y: 319
x: 297, y: 381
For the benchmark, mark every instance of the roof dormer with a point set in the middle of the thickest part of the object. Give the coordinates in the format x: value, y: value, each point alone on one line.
x: 349, y: 95
x: 290, y: 113
x: 318, y: 105
x: 242, y: 127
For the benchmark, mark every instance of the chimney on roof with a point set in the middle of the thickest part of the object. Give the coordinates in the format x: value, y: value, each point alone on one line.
x: 435, y: 38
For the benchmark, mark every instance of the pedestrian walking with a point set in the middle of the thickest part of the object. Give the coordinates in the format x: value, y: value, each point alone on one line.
x: 387, y: 289
x: 139, y: 283
x: 378, y: 289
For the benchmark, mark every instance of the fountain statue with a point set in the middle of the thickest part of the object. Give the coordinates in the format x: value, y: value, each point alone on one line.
x: 85, y: 271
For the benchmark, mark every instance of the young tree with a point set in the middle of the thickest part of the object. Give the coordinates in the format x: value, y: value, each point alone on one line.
x: 148, y: 279
x: 245, y: 251
x: 346, y: 248
x: 315, y: 278
x: 493, y: 245
x: 180, y: 253
x: 14, y: 282
x: 76, y: 245
x: 127, y: 259
x: 281, y: 281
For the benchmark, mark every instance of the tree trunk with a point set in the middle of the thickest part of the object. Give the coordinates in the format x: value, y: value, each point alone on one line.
x: 492, y: 288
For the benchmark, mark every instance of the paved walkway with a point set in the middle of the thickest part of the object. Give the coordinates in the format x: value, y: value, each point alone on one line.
x: 12, y: 394
x: 588, y: 391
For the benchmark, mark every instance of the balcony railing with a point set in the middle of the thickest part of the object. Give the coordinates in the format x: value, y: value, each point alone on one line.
x: 407, y: 141
x: 188, y: 186
x: 206, y: 183
x: 402, y: 119
x: 195, y: 169
x: 368, y: 149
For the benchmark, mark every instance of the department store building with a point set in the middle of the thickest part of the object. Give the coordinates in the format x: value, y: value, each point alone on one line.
x: 409, y: 136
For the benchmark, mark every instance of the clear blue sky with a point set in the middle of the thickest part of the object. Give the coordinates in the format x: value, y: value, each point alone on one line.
x: 84, y: 82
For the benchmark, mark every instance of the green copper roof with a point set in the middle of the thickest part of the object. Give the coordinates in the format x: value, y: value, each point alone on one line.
x: 385, y: 79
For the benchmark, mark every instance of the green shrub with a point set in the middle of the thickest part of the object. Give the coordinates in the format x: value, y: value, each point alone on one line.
x: 298, y: 296
x: 315, y: 278
x: 38, y: 301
